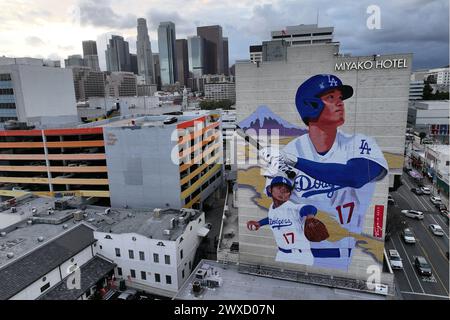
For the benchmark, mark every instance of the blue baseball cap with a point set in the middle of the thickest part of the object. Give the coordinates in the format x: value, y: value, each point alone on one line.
x: 281, y: 180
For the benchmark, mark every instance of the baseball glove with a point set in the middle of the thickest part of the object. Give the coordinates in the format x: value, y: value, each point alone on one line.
x: 315, y: 230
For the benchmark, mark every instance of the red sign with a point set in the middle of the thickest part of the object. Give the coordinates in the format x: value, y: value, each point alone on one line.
x: 378, y: 221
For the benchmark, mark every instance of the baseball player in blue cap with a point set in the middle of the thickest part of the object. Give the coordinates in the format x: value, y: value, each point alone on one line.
x: 335, y: 172
x: 289, y: 222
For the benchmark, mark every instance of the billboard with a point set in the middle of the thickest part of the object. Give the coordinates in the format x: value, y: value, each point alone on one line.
x: 315, y: 188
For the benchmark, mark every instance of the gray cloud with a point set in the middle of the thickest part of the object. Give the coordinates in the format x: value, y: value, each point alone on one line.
x: 100, y: 14
x: 183, y: 27
x: 34, y: 41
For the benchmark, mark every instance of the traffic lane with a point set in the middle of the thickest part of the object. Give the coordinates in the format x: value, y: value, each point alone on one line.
x: 429, y: 285
x: 434, y: 248
x: 423, y: 199
x: 401, y: 277
x: 434, y: 219
x: 412, y: 282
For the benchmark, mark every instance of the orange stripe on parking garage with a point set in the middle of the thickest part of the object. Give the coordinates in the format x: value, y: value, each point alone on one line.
x: 86, y: 156
x: 187, y: 137
x: 58, y: 144
x: 54, y: 169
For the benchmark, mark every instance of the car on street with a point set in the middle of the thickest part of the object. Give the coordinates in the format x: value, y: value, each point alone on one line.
x: 127, y: 295
x: 426, y: 190
x: 395, y: 259
x: 391, y: 200
x: 436, y: 229
x: 417, y: 191
x: 441, y: 207
x: 422, y: 266
x: 435, y: 200
x: 408, y: 236
x: 415, y: 214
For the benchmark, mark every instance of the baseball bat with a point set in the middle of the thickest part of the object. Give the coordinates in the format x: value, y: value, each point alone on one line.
x: 291, y: 174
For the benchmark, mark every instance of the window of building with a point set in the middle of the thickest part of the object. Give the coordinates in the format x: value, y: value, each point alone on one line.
x: 131, y: 254
x: 143, y: 275
x: 157, y: 277
x: 141, y: 255
x: 156, y: 258
x: 168, y: 279
x: 181, y: 254
x: 133, y: 273
x: 45, y: 287
x: 117, y: 252
x: 5, y: 77
x: 190, y: 265
x: 182, y: 273
x: 166, y: 259
x: 119, y: 271
x: 447, y: 163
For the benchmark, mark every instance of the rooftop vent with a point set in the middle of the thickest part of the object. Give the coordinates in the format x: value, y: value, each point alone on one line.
x: 33, y: 210
x: 13, y: 209
x: 78, y: 215
x: 30, y: 222
x: 166, y: 232
x: 65, y: 226
x: 3, y: 234
x: 10, y: 255
x: 40, y: 239
x: 173, y: 221
x: 157, y: 212
x: 107, y: 210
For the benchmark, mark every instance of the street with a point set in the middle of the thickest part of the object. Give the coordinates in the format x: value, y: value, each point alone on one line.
x: 433, y: 248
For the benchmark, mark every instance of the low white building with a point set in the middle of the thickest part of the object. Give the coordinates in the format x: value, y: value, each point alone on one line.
x: 154, y: 250
x: 416, y: 90
x: 34, y: 93
x: 431, y: 117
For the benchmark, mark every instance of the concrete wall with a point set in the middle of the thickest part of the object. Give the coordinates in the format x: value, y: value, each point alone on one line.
x: 140, y: 170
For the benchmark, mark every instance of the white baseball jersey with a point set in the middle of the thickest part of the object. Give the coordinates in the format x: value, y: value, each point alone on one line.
x: 287, y: 226
x: 346, y: 205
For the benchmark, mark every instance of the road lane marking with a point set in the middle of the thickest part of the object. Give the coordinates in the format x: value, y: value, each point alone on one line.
x: 435, y: 272
x: 403, y: 269
x: 413, y: 268
x: 426, y: 294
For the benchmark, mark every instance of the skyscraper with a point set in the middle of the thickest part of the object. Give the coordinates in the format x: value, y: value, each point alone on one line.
x: 181, y: 49
x: 225, y: 56
x: 74, y: 60
x: 157, y: 69
x: 144, y: 52
x: 134, y: 63
x: 118, y: 55
x: 196, y: 49
x: 167, y: 56
x: 90, y: 55
x: 213, y: 48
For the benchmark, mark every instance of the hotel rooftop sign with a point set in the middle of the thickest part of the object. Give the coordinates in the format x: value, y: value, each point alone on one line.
x: 371, y: 64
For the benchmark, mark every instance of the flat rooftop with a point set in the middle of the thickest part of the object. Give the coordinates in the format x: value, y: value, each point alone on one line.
x: 22, y: 237
x: 240, y: 286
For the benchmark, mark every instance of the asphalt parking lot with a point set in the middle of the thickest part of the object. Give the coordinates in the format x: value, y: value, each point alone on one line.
x: 433, y: 248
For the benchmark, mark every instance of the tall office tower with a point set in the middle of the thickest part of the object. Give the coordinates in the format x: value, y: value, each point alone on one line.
x: 226, y: 67
x: 90, y: 55
x: 88, y: 83
x: 167, y: 56
x: 196, y: 50
x: 213, y: 48
x: 181, y: 49
x: 134, y: 63
x: 144, y: 52
x: 74, y: 60
x: 118, y: 55
x: 89, y: 48
x: 157, y: 68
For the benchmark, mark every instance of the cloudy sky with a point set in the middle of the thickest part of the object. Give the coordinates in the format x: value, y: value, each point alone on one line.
x: 55, y: 28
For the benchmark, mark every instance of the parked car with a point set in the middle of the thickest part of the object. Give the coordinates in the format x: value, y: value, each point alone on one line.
x: 422, y: 266
x: 436, y: 229
x: 408, y: 236
x: 435, y: 200
x: 396, y: 261
x: 441, y: 207
x: 426, y: 190
x: 417, y: 191
x: 415, y: 214
x: 391, y: 200
x: 127, y: 295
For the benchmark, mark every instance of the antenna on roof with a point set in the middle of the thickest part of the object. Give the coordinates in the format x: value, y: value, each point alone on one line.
x: 317, y: 20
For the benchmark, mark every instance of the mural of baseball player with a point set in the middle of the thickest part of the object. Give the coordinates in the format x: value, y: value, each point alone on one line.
x: 334, y: 172
x: 293, y: 225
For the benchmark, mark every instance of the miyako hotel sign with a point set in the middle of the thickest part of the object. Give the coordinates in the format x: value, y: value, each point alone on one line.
x: 371, y: 64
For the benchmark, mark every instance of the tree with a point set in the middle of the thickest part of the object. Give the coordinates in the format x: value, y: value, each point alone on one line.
x: 427, y: 92
x: 394, y: 222
x: 422, y: 135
